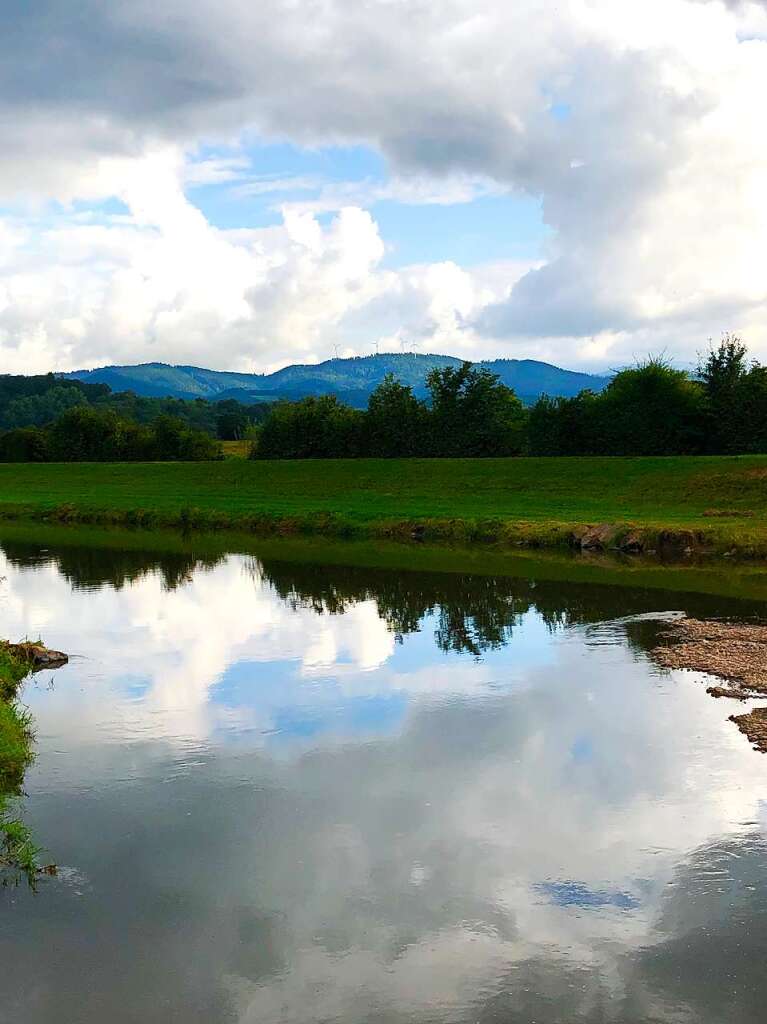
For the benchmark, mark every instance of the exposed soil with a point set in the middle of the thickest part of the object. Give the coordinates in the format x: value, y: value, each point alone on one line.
x: 636, y: 540
x: 754, y: 725
x: 38, y: 656
x: 728, y: 691
x: 736, y: 653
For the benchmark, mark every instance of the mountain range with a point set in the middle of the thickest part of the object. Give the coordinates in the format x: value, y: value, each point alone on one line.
x: 352, y: 380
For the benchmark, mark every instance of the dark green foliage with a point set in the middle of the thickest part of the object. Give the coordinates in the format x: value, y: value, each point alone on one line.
x: 651, y: 409
x: 233, y: 420
x: 566, y: 426
x: 473, y: 415
x: 40, y: 401
x: 197, y: 413
x: 736, y: 400
x: 16, y: 389
x: 723, y: 371
x: 88, y: 434
x: 37, y: 401
x: 310, y: 429
x: 174, y: 441
x: 747, y: 422
x: 396, y: 422
x: 465, y: 411
x: 27, y: 444
x: 37, y: 410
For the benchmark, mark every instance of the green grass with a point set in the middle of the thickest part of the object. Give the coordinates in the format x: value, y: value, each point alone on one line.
x: 236, y: 449
x: 12, y: 671
x: 18, y: 853
x: 15, y: 755
x: 461, y: 499
x: 15, y: 726
x: 19, y: 856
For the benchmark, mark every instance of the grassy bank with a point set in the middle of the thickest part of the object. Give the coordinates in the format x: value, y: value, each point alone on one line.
x: 722, y: 502
x: 138, y: 550
x: 14, y: 723
x: 18, y: 853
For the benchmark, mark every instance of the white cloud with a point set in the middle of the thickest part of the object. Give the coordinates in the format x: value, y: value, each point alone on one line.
x: 161, y: 282
x: 332, y: 196
x: 216, y: 170
x: 653, y: 182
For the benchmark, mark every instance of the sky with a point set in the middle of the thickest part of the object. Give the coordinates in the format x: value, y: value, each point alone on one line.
x: 242, y: 186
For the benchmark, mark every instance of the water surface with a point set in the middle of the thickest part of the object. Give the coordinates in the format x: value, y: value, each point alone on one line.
x: 291, y: 792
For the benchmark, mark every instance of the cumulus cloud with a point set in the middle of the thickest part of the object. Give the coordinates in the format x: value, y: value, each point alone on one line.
x: 637, y: 126
x: 160, y: 282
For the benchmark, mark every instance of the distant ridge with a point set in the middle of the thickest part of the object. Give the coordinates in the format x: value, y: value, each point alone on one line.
x: 350, y: 379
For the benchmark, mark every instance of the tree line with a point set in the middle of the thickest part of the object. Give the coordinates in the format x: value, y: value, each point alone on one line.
x: 37, y: 401
x: 47, y: 419
x: 87, y: 434
x: 649, y: 409
x: 469, y: 412
x: 654, y: 409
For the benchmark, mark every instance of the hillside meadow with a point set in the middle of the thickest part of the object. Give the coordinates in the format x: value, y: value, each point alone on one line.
x: 723, y: 499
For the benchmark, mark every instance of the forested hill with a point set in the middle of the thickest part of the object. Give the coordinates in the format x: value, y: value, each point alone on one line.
x: 350, y: 379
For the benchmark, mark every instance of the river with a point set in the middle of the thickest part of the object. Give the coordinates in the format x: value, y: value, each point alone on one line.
x: 282, y: 791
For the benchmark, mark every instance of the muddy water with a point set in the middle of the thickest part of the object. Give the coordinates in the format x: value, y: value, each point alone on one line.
x: 286, y: 792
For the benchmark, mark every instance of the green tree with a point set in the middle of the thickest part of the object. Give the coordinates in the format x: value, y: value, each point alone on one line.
x: 232, y: 421
x: 39, y: 410
x: 567, y: 426
x: 173, y: 440
x: 314, y: 428
x: 473, y: 414
x: 653, y: 409
x: 26, y: 444
x: 84, y: 434
x: 725, y: 379
x: 87, y: 434
x: 396, y: 421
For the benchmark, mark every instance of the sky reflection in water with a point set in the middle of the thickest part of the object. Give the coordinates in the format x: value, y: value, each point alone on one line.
x: 289, y: 793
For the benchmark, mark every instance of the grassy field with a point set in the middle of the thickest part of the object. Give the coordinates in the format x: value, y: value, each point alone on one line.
x: 724, y: 499
x: 235, y: 449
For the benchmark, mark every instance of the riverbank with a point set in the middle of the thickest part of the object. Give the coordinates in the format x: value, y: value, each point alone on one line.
x: 131, y: 552
x: 15, y: 735
x: 735, y: 652
x: 18, y: 853
x: 679, y: 504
